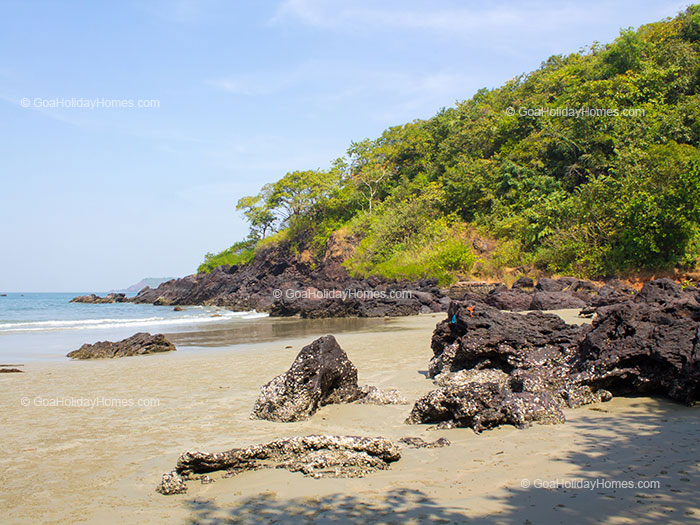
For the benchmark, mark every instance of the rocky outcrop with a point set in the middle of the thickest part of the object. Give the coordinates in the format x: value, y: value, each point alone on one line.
x: 484, y: 337
x: 96, y: 299
x: 278, y: 282
x: 484, y: 404
x: 548, y: 294
x: 555, y: 301
x: 493, y: 367
x: 314, y: 456
x: 649, y: 345
x: 10, y: 371
x: 513, y: 300
x: 138, y: 344
x: 320, y: 375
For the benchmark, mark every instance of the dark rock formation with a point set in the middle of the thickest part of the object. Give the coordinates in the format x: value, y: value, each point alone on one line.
x: 10, y: 370
x: 138, y: 344
x: 96, y: 299
x: 650, y: 345
x: 555, y: 301
x: 524, y: 283
x: 279, y: 282
x: 320, y: 375
x: 314, y: 456
x: 493, y: 367
x: 548, y: 294
x: 485, y: 337
x: 513, y: 300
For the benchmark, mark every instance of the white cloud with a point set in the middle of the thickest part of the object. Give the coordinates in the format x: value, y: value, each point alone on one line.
x: 468, y: 20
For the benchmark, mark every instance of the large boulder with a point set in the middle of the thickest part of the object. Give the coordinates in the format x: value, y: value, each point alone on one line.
x: 320, y: 375
x: 141, y: 343
x: 524, y: 283
x: 485, y: 403
x: 314, y: 456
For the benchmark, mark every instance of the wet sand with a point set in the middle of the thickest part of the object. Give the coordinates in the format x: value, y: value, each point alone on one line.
x: 101, y: 465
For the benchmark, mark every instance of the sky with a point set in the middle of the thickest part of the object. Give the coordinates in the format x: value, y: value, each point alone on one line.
x: 130, y: 129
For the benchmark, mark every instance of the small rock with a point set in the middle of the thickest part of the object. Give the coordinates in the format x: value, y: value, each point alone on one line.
x: 138, y: 344
x: 416, y: 442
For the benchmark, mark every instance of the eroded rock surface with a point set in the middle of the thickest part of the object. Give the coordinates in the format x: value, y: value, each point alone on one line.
x: 322, y: 374
x: 416, y: 442
x: 141, y: 343
x: 649, y: 345
x: 314, y: 456
x: 493, y: 367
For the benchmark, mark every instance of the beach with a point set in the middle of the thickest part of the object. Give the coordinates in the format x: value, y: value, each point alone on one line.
x: 100, y: 462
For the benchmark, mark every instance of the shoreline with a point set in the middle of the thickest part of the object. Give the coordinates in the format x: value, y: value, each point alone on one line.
x: 106, y: 461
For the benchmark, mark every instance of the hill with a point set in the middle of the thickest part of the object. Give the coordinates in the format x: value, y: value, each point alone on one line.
x: 588, y: 166
x: 152, y: 282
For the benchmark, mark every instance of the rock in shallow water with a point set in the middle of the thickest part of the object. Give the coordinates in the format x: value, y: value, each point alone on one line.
x: 96, y: 299
x: 320, y: 375
x: 138, y: 344
x: 314, y: 456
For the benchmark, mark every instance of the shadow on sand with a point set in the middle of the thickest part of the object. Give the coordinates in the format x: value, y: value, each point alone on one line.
x: 657, y: 444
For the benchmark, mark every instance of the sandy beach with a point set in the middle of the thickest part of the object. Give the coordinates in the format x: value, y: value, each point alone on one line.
x: 101, y: 464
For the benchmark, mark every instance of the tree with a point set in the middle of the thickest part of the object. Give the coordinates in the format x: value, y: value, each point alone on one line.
x: 369, y: 167
x: 258, y: 212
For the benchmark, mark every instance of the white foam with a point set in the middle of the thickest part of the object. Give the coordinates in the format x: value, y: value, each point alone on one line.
x: 90, y: 324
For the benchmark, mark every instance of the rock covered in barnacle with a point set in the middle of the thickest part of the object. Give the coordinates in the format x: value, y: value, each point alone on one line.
x: 416, y: 442
x: 371, y: 395
x: 172, y: 483
x: 493, y: 367
x: 322, y: 374
x: 315, y: 456
x: 483, y: 405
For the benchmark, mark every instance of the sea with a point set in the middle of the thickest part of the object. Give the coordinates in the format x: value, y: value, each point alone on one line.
x: 46, y: 326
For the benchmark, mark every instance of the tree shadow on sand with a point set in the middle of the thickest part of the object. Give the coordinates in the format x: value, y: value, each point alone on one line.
x: 397, y: 506
x: 657, y: 442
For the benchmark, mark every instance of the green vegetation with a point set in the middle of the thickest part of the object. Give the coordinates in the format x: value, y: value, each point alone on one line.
x: 587, y: 166
x: 239, y: 254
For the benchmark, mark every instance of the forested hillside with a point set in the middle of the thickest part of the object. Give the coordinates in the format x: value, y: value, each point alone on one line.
x: 587, y: 166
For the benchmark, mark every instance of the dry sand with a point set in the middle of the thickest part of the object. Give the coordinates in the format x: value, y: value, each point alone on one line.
x: 101, y: 465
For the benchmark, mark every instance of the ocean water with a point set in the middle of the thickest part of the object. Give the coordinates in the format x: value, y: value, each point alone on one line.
x: 38, y: 326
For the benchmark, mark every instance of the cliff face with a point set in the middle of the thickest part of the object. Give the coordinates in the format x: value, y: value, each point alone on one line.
x: 284, y: 284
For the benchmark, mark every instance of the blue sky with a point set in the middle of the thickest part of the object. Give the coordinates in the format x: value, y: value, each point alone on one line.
x: 94, y: 199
